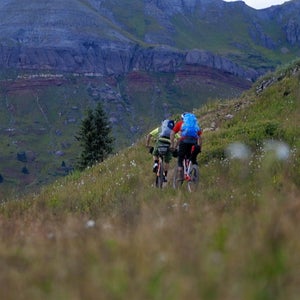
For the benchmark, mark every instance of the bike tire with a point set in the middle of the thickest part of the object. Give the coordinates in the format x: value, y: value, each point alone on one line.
x: 193, y: 183
x: 160, y: 176
x: 177, y: 179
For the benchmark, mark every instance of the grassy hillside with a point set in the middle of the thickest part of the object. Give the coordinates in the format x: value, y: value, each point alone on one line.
x: 107, y: 233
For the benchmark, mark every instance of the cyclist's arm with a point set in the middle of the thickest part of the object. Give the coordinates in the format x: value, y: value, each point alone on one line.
x: 175, y: 134
x: 154, y: 134
x: 177, y: 139
x: 148, y: 139
x: 172, y: 137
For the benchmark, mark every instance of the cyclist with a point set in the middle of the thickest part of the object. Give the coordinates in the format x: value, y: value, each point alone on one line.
x: 161, y: 135
x: 189, y: 143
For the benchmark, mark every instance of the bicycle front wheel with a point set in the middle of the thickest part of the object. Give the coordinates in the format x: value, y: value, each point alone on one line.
x: 194, y: 174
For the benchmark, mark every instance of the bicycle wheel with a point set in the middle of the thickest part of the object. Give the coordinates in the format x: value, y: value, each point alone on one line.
x: 160, y: 175
x: 194, y: 178
x: 177, y: 179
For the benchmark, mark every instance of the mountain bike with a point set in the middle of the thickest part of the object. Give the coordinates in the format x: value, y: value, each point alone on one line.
x: 190, y: 175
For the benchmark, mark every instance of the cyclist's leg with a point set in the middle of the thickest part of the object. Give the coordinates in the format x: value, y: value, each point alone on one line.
x: 160, y: 175
x: 195, y: 151
x: 155, y: 158
x: 182, y: 150
x: 168, y: 158
x: 178, y: 172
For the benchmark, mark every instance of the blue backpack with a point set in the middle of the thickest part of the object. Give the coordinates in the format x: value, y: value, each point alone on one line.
x: 190, y: 126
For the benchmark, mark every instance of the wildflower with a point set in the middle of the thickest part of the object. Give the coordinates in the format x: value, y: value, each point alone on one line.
x: 133, y: 163
x: 90, y: 224
x: 238, y: 150
x: 281, y: 150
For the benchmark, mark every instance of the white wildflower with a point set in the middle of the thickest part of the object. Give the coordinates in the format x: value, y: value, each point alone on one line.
x: 133, y: 163
x: 281, y: 150
x: 90, y: 224
x: 237, y: 150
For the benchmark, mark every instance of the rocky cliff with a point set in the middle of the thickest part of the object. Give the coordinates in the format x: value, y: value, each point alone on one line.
x: 116, y: 37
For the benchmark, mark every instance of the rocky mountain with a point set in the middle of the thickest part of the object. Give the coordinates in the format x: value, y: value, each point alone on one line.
x: 143, y: 59
x: 115, y: 37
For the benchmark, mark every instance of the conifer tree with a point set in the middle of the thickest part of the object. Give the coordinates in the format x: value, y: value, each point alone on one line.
x: 94, y: 137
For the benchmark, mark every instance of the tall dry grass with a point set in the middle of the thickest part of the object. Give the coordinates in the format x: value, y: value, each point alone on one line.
x: 237, y: 238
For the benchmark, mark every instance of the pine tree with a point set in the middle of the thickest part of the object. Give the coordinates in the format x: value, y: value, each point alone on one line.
x: 94, y: 137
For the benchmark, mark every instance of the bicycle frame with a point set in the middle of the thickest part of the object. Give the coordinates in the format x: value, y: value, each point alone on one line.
x: 186, y: 169
x: 190, y: 175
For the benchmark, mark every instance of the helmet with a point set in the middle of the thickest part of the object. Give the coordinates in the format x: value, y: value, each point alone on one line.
x: 183, y: 114
x: 171, y: 124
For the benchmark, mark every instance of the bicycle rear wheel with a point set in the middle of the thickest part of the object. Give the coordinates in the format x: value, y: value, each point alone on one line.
x: 160, y: 176
x: 177, y: 179
x: 194, y: 174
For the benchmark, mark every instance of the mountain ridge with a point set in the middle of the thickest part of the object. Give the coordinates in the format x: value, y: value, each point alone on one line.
x: 88, y: 36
